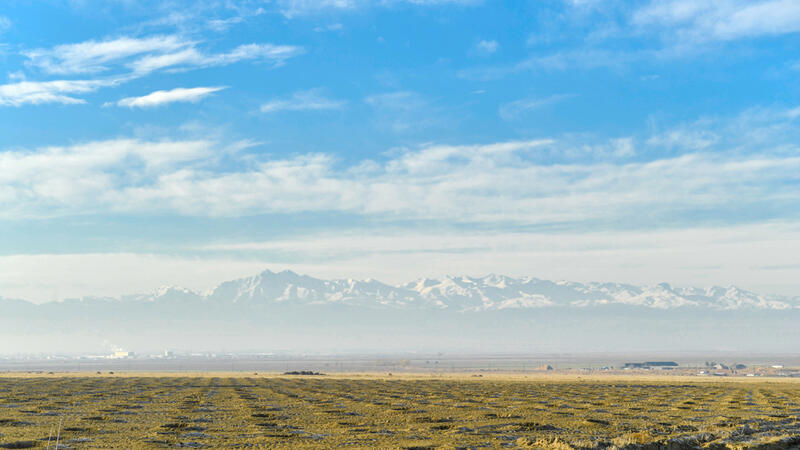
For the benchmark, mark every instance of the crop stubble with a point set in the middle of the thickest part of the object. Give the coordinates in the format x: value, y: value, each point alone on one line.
x: 318, y: 412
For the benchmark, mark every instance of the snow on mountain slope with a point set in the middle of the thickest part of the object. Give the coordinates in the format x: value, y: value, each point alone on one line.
x: 463, y: 293
x: 490, y: 292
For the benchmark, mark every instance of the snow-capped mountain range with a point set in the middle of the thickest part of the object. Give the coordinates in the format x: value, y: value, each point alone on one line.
x: 298, y: 313
x: 465, y: 294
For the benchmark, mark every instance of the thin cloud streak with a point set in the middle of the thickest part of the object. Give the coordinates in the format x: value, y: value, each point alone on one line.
x: 515, y: 109
x: 701, y: 21
x: 158, y: 98
x: 192, y: 58
x: 58, y: 91
x: 146, y: 55
x: 128, y: 58
x: 295, y: 8
x: 311, y: 100
x: 97, y: 56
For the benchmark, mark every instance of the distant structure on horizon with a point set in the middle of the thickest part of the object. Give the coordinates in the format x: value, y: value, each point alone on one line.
x: 649, y: 364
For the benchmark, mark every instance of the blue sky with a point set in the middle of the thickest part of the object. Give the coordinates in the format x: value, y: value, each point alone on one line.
x: 150, y: 143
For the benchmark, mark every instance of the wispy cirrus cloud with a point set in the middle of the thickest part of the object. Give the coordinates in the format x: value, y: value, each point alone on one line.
x: 517, y: 108
x: 708, y: 20
x: 145, y: 55
x: 58, y: 91
x: 98, y: 56
x: 310, y: 100
x: 331, y: 27
x: 292, y: 8
x: 191, y: 57
x: 123, y: 59
x: 586, y: 59
x: 158, y: 98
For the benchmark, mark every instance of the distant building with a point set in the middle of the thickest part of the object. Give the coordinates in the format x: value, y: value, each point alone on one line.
x: 122, y: 355
x: 636, y: 365
x: 649, y: 364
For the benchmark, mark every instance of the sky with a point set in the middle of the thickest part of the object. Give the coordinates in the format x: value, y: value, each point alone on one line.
x: 159, y: 143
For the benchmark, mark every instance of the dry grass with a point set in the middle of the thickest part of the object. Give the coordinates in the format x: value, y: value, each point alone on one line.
x: 411, y: 411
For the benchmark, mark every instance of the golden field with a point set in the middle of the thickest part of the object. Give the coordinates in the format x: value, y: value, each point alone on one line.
x: 227, y: 410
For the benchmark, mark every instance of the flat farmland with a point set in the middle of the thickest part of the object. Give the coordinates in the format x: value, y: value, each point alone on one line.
x: 370, y: 411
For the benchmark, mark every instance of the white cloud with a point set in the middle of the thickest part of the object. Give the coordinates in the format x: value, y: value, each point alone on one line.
x: 746, y: 166
x: 292, y: 8
x: 5, y: 24
x: 221, y: 25
x: 589, y: 58
x: 623, y: 147
x: 58, y: 91
x: 400, y: 100
x: 311, y: 100
x: 88, y: 175
x: 151, y: 63
x: 277, y: 54
x: 517, y: 108
x: 629, y: 220
x: 193, y: 58
x: 487, y: 47
x: 435, y: 2
x: 16, y: 76
x: 128, y: 58
x: 681, y: 27
x: 331, y: 27
x: 158, y: 98
x: 713, y: 20
x: 96, y: 56
x: 146, y: 55
x: 500, y: 183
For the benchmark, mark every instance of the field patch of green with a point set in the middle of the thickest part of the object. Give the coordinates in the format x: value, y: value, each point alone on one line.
x: 364, y: 412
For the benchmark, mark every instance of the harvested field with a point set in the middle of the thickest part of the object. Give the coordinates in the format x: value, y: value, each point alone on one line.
x: 395, y: 412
